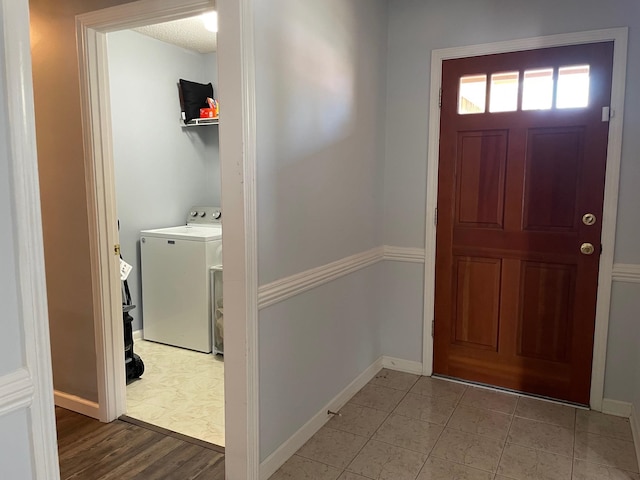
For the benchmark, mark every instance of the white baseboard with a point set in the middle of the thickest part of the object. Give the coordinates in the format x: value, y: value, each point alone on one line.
x: 76, y: 404
x: 401, y: 365
x: 274, y: 461
x: 617, y: 408
x: 635, y: 430
x: 138, y: 335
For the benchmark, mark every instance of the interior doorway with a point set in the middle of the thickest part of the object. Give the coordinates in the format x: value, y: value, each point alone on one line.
x: 523, y: 149
x: 168, y: 194
x: 237, y: 133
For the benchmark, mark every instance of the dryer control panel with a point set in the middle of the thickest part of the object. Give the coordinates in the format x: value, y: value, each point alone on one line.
x: 204, y: 216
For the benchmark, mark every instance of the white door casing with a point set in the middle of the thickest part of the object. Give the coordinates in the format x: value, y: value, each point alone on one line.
x: 237, y: 155
x: 614, y: 152
x: 30, y: 387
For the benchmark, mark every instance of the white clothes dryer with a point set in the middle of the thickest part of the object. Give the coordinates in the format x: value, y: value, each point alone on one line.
x: 176, y: 301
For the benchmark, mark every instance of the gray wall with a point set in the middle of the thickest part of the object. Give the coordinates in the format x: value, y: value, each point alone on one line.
x: 15, y: 448
x: 416, y: 27
x: 161, y: 169
x: 320, y: 77
x: 10, y: 343
x: 623, y: 343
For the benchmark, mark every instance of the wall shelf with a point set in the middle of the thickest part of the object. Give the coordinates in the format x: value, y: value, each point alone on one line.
x: 200, y: 121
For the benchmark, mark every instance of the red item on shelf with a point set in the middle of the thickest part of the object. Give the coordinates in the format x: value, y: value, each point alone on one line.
x: 206, y: 113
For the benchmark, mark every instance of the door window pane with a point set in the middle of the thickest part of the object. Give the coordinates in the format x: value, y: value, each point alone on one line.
x: 537, y: 89
x: 573, y: 87
x: 504, y: 92
x: 472, y: 94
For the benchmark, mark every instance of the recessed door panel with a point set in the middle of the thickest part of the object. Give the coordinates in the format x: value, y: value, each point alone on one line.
x: 477, y: 290
x: 546, y: 312
x: 481, y: 174
x: 553, y: 167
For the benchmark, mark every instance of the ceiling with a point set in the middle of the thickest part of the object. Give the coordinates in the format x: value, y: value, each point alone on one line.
x: 187, y: 33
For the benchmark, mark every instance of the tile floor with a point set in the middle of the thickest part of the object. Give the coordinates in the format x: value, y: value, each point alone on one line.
x: 180, y: 390
x: 406, y: 427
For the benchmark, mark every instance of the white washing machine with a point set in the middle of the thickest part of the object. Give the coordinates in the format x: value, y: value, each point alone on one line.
x: 176, y: 279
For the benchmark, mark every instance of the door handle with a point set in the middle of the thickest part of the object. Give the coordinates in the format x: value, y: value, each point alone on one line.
x: 587, y: 248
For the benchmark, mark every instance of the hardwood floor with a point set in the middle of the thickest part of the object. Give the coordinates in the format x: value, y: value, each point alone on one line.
x: 90, y: 450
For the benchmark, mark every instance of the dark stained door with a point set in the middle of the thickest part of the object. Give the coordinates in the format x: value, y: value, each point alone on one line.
x: 523, y: 145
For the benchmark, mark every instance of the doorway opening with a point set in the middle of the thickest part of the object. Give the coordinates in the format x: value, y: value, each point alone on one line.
x: 237, y: 158
x: 167, y: 175
x: 618, y: 38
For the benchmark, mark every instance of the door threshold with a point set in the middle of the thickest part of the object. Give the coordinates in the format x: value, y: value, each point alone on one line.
x: 171, y: 433
x: 510, y: 391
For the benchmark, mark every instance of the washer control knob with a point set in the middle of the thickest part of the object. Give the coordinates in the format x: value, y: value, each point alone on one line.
x: 202, y: 214
x: 193, y: 214
x: 216, y: 214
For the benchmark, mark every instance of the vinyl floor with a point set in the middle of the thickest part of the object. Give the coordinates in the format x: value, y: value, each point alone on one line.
x: 91, y: 450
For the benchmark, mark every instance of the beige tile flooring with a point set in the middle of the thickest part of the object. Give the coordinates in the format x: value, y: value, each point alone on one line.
x: 180, y: 390
x: 406, y: 427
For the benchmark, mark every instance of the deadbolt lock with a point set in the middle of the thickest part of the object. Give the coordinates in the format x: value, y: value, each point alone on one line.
x: 588, y: 219
x: 587, y: 248
x: 116, y: 249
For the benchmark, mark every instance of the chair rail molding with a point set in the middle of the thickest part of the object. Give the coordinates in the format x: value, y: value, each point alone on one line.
x: 626, y: 272
x: 279, y: 290
x: 404, y: 254
x: 16, y: 391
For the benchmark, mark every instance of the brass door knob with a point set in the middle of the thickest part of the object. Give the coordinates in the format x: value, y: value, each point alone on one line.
x: 587, y: 248
x: 588, y: 219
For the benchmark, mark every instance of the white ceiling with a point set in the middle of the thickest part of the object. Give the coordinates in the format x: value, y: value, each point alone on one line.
x: 187, y: 33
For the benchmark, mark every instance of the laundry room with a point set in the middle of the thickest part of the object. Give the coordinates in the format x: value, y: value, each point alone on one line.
x: 166, y: 170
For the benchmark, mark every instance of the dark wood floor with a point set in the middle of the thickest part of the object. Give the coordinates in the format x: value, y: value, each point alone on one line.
x: 90, y: 450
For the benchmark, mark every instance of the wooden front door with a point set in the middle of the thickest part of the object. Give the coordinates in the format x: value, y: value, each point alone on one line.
x: 523, y: 145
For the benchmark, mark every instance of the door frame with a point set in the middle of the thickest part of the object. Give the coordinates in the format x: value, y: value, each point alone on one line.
x: 237, y: 138
x: 610, y: 207
x: 29, y: 388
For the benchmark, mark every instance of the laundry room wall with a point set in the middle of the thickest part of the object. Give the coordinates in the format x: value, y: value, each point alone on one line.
x: 320, y: 80
x: 161, y: 167
x: 416, y: 27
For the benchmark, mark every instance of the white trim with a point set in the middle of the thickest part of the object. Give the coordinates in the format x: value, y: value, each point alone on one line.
x: 269, y: 466
x: 138, y: 335
x: 619, y: 36
x: 628, y: 273
x: 635, y: 431
x: 249, y: 233
x: 16, y: 391
x: 400, y: 365
x: 102, y: 217
x: 27, y: 224
x: 77, y: 404
x: 404, y: 254
x: 287, y: 287
x: 284, y: 288
x: 616, y: 407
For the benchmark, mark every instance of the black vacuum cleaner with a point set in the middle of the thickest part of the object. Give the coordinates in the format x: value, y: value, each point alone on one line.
x: 133, y: 364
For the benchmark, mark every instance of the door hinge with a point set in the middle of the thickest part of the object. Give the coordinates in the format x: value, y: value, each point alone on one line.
x: 433, y: 328
x: 116, y: 249
x: 435, y: 217
x: 440, y: 98
x: 607, y: 114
